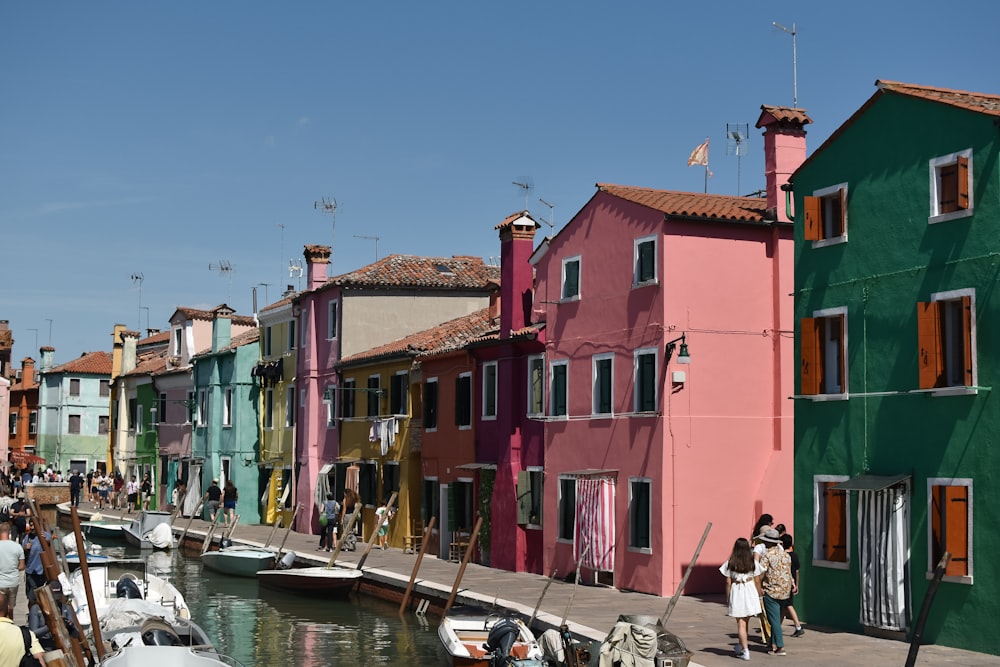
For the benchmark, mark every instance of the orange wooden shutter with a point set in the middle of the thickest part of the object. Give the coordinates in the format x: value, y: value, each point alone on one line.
x: 967, y: 339
x: 836, y: 524
x: 813, y: 218
x: 962, y: 176
x: 811, y: 361
x: 956, y: 529
x: 929, y: 358
x: 840, y: 224
x: 838, y: 335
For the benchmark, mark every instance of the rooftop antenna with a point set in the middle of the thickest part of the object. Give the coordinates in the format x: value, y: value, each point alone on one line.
x: 225, y: 269
x: 526, y: 185
x: 265, y: 286
x: 552, y: 214
x: 370, y: 238
x: 329, y: 205
x: 137, y: 277
x: 49, y: 320
x: 737, y: 136
x: 795, y: 67
x: 295, y: 271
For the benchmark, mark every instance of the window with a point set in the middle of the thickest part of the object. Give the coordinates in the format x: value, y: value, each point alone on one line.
x: 430, y: 501
x: 460, y: 503
x: 644, y: 271
x: 347, y: 402
x: 74, y: 425
x: 202, y: 416
x: 304, y: 329
x: 12, y: 424
x: 390, y: 480
x: 823, y: 356
x: 74, y: 387
x: 831, y: 544
x: 331, y: 321
x: 227, y: 407
x: 190, y: 407
x: 640, y: 516
x: 463, y: 401
x: 330, y: 398
x: 490, y: 390
x: 645, y: 398
x: 602, y: 387
x: 138, y: 418
x: 133, y: 410
x: 33, y: 422
x: 826, y: 216
x: 374, y: 395
x: 567, y: 508
x: 177, y: 338
x: 951, y: 187
x: 950, y: 526
x: 269, y: 408
x: 529, y: 496
x: 102, y: 425
x: 267, y: 341
x: 291, y: 335
x: 399, y: 393
x: 946, y: 337
x: 571, y: 278
x: 536, y: 385
x: 431, y: 404
x: 368, y: 483
x: 163, y: 407
x: 105, y: 387
x: 558, y: 389
x: 290, y: 406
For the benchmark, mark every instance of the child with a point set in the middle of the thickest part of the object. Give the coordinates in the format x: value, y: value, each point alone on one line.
x: 741, y: 571
x: 786, y: 542
x: 383, y: 515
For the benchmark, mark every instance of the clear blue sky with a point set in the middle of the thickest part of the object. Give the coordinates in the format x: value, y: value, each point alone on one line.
x: 164, y: 137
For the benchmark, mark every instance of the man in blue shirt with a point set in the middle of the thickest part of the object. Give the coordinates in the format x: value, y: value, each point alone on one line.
x: 34, y: 573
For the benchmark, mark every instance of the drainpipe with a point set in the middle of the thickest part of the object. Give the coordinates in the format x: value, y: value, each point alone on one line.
x: 787, y: 189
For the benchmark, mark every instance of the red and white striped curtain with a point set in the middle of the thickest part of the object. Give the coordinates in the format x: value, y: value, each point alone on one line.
x: 594, y: 539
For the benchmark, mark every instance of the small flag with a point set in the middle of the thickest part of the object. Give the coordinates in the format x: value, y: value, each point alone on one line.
x: 699, y: 156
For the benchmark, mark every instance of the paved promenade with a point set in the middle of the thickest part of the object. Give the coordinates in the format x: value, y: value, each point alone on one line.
x: 701, y: 622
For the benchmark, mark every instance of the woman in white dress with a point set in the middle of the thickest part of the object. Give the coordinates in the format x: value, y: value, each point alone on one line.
x: 741, y: 571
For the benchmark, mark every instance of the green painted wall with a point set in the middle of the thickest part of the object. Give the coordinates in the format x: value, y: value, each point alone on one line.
x: 893, y: 260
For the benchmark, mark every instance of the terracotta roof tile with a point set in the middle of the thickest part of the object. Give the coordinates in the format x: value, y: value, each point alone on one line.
x: 196, y: 314
x: 277, y: 304
x: 692, y: 204
x: 786, y: 115
x: 457, y: 272
x: 445, y: 337
x: 979, y: 102
x: 524, y: 333
x: 150, y: 364
x: 155, y: 339
x: 513, y: 217
x: 90, y: 363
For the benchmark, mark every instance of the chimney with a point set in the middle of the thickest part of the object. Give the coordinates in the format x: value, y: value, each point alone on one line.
x: 47, y: 352
x: 517, y: 237
x: 317, y: 259
x: 222, y: 327
x: 28, y: 371
x: 784, y: 152
x: 129, y: 339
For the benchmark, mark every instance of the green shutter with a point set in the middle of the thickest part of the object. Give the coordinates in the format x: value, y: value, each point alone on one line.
x: 559, y: 389
x: 604, y: 386
x: 451, y: 508
x: 647, y: 383
x: 571, y: 283
x: 523, y: 496
x: 647, y: 262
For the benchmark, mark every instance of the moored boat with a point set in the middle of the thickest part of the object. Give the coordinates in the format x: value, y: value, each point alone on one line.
x: 161, y: 640
x: 477, y: 637
x: 240, y: 560
x: 103, y: 530
x: 311, y: 580
x: 151, y: 530
x: 124, y: 582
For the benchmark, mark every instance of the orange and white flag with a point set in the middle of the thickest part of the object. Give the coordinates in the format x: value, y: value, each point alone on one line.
x: 699, y: 156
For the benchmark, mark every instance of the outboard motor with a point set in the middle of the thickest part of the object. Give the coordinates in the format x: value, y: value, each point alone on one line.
x: 501, y: 639
x: 287, y: 561
x: 155, y: 632
x: 127, y: 587
x: 225, y: 543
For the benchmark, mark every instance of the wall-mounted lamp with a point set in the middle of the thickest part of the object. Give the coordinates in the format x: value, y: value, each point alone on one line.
x: 683, y: 357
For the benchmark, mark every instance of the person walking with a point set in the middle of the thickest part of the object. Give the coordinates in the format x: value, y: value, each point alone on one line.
x: 788, y: 545
x: 214, y: 494
x: 776, y: 584
x: 19, y: 516
x: 351, y: 500
x: 75, y: 488
x: 103, y: 490
x: 118, y: 485
x: 741, y: 572
x: 132, y: 489
x: 146, y: 489
x: 11, y: 563
x: 330, y: 512
x: 13, y: 638
x: 229, y: 497
x: 34, y: 572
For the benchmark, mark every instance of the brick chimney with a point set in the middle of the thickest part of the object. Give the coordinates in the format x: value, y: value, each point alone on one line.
x: 222, y: 327
x: 317, y: 259
x: 28, y: 372
x: 784, y: 152
x: 517, y: 238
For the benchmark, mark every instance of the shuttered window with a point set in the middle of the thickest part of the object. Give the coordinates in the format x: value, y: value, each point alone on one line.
x: 463, y: 400
x: 945, y: 344
x: 489, y: 390
x: 825, y: 215
x: 640, y: 513
x: 571, y: 278
x: 558, y: 391
x: 567, y: 507
x: 536, y: 384
x: 951, y: 186
x: 645, y: 261
x: 374, y: 396
x: 399, y: 392
x: 834, y: 528
x: 430, y: 405
x: 950, y: 512
x: 823, y: 354
x: 602, y: 385
x: 645, y: 381
x: 349, y: 393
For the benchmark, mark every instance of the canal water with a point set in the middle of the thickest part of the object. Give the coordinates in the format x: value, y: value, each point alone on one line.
x: 260, y: 626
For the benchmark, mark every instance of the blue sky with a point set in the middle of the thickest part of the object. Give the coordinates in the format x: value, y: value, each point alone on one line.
x: 163, y: 138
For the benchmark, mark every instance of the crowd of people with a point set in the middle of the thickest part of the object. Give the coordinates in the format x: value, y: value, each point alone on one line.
x: 762, y: 578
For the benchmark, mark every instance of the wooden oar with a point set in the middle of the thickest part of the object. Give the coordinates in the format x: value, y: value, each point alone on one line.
x: 95, y: 623
x: 211, y: 533
x: 385, y: 518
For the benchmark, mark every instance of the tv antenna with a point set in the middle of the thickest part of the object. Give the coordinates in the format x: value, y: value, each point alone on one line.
x: 795, y: 67
x: 371, y: 238
x: 137, y: 277
x: 552, y: 214
x: 295, y: 271
x: 737, y: 137
x: 526, y: 185
x: 225, y: 269
x: 329, y: 205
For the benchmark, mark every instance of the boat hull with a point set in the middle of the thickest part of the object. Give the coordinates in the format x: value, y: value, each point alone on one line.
x: 311, y: 580
x: 137, y: 533
x: 143, y: 656
x: 98, y: 530
x: 238, y: 562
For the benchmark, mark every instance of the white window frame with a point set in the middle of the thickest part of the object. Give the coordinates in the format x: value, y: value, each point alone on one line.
x: 530, y: 389
x: 486, y: 376
x: 269, y: 409
x: 832, y: 240
x: 954, y: 295
x: 138, y: 418
x: 559, y: 502
x: 551, y: 393
x: 648, y: 481
x: 290, y: 343
x: 845, y: 389
x: 33, y: 422
x: 290, y: 406
x: 190, y: 414
x: 654, y: 239
x: 331, y: 405
x: 594, y: 389
x: 540, y: 472
x: 931, y: 565
x: 177, y: 338
x: 201, y: 417
x: 579, y: 278
x: 636, y: 385
x: 935, y: 165
x: 303, y: 328
x: 332, y: 315
x: 227, y: 407
x: 819, y: 523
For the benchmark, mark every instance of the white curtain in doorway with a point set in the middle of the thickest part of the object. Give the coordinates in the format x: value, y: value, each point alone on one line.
x: 883, y: 524
x: 193, y: 498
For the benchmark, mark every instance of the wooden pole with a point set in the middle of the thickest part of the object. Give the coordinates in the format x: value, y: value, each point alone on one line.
x: 576, y: 583
x: 210, y: 535
x: 378, y: 527
x: 687, y: 573
x: 343, y: 538
x: 465, y: 561
x: 180, y: 540
x: 95, y: 623
x: 70, y: 648
x: 288, y: 531
x: 416, y: 566
x: 274, y: 528
x: 538, y: 605
x: 925, y: 609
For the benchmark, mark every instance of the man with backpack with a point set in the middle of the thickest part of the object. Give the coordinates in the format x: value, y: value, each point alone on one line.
x: 16, y: 642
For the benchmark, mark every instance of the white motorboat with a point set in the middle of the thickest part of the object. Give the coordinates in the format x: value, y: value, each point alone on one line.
x: 477, y: 637
x: 162, y: 641
x: 240, y: 560
x: 151, y: 530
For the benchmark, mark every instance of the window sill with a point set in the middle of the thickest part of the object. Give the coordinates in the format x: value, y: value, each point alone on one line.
x: 641, y: 550
x: 647, y: 283
x: 227, y: 426
x: 821, y: 398
x: 952, y: 579
x: 832, y: 564
x: 602, y: 415
x: 954, y: 391
x: 467, y: 427
x: 489, y: 418
x: 833, y: 240
x: 946, y: 217
x: 533, y: 526
x: 569, y: 299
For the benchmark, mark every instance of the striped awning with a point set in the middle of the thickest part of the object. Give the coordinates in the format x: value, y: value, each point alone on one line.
x: 870, y: 482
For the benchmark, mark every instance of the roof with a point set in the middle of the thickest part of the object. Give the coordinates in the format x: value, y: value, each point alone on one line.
x: 277, y: 304
x: 394, y: 271
x: 782, y: 115
x: 88, y: 363
x: 196, y: 314
x: 696, y: 205
x: 529, y: 332
x: 445, y: 337
x: 514, y: 217
x: 245, y: 338
x: 155, y: 339
x: 149, y: 364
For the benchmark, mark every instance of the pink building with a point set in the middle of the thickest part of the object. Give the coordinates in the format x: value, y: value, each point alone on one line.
x: 645, y: 445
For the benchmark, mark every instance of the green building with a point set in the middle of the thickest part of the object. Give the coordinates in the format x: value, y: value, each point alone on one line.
x: 896, y: 261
